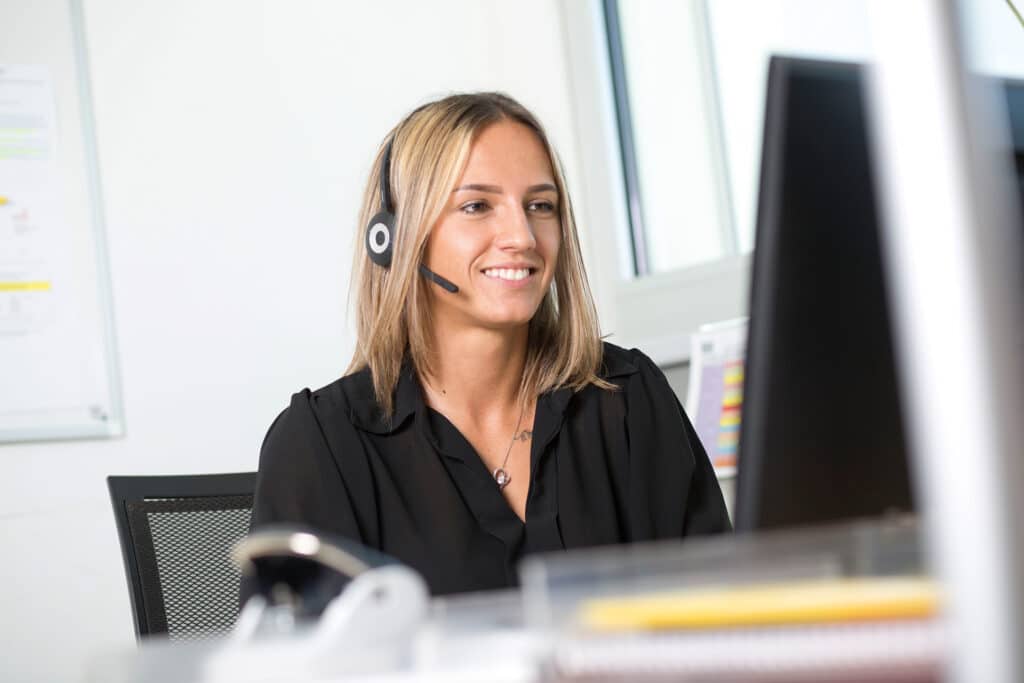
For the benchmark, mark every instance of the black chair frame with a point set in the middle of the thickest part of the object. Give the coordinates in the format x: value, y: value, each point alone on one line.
x: 127, y: 494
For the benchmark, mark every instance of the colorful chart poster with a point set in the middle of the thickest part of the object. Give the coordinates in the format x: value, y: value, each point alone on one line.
x: 715, y: 396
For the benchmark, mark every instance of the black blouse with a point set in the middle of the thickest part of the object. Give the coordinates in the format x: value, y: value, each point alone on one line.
x: 605, y: 467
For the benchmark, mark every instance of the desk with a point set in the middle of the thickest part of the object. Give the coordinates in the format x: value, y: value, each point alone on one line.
x: 535, y: 634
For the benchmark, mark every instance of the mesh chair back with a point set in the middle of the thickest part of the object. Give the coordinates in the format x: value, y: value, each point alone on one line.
x: 176, y: 534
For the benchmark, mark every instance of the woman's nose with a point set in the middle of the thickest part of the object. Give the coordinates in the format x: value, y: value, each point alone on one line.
x: 516, y: 231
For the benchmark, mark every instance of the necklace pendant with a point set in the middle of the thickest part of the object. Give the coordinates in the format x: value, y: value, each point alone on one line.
x: 501, y: 477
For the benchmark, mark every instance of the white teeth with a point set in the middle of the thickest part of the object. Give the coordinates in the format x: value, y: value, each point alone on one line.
x: 507, y: 273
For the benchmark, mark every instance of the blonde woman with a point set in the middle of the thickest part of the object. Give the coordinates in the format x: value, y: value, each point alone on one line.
x: 482, y: 418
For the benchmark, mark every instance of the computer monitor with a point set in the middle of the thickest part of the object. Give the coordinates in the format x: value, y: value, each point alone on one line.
x: 823, y: 435
x: 1014, y: 91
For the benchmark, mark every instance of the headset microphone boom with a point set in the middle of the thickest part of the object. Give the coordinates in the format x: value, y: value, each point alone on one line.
x: 381, y: 229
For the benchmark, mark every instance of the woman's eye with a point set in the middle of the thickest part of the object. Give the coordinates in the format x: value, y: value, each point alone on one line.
x: 542, y: 206
x: 477, y: 206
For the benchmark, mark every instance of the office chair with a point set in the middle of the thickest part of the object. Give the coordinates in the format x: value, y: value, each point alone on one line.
x: 176, y: 533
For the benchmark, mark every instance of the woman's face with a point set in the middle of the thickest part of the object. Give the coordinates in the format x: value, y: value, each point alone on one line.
x: 499, y: 234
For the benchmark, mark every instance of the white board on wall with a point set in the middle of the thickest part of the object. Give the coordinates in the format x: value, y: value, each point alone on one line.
x: 58, y: 370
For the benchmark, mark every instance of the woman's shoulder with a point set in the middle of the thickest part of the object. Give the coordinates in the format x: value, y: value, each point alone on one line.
x: 637, y: 385
x: 345, y: 398
x: 620, y: 362
x: 635, y: 375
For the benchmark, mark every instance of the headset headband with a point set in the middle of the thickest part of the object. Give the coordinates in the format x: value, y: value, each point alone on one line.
x: 385, y: 180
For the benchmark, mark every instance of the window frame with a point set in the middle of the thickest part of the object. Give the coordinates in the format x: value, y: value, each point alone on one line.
x: 656, y: 312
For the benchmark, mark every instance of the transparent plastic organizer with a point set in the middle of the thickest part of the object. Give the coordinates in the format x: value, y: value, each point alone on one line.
x: 849, y: 602
x: 554, y: 586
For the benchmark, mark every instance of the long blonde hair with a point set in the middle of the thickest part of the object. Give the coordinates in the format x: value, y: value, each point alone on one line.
x: 430, y: 148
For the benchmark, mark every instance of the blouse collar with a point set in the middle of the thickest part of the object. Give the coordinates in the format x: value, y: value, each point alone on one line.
x: 368, y: 416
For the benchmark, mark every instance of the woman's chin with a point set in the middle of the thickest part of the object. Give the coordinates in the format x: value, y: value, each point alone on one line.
x: 510, y: 321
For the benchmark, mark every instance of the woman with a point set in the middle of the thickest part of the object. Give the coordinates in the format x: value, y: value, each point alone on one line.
x: 482, y: 418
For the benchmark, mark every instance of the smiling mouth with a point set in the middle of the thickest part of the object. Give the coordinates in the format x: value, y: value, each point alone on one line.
x: 510, y: 274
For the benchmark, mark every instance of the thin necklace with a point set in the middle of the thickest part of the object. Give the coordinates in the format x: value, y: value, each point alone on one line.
x: 500, y: 474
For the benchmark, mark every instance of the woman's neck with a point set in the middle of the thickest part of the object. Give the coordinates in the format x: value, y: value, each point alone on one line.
x: 477, y: 372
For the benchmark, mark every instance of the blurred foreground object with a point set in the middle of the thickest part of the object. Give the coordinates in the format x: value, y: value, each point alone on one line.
x: 322, y: 605
x: 953, y: 246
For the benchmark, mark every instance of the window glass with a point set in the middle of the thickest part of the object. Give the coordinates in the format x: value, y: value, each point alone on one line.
x: 743, y: 36
x: 682, y: 203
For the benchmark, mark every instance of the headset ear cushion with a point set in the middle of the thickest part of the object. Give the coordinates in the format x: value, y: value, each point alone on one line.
x: 379, y: 236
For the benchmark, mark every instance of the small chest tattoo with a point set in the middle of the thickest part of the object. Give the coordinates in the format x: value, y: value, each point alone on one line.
x: 524, y: 435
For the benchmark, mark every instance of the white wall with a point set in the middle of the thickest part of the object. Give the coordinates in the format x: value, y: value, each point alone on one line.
x: 234, y: 139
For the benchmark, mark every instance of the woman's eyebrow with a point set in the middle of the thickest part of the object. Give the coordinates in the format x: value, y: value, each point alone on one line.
x: 495, y: 189
x: 478, y: 188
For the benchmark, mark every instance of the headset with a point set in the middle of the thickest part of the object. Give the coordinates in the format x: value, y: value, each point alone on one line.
x: 381, y: 230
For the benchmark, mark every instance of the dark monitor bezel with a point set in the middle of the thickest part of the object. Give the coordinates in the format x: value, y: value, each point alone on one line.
x: 750, y: 513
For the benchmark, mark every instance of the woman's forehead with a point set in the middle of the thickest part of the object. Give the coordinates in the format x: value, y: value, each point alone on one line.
x: 509, y: 152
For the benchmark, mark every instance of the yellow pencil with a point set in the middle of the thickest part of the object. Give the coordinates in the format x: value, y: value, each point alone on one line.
x: 799, y: 602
